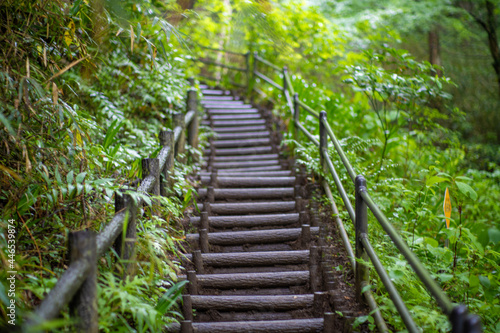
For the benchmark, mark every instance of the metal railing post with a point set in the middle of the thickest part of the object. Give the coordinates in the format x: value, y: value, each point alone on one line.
x: 323, y: 139
x: 362, y: 270
x: 247, y: 62
x: 285, y: 85
x: 296, y: 116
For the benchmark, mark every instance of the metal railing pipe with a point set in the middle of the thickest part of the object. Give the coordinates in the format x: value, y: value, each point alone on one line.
x: 431, y: 285
x: 265, y: 62
x: 307, y: 133
x: 288, y: 82
x: 340, y: 224
x: 221, y: 50
x: 340, y: 151
x: 211, y: 62
x: 389, y: 286
x: 268, y: 80
x: 340, y: 188
x: 372, y: 304
x: 309, y: 109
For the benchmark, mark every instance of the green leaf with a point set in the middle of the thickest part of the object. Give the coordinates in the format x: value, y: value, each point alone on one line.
x: 434, y: 180
x: 485, y: 281
x: 466, y: 190
x: 80, y: 177
x: 445, y: 277
x: 473, y: 281
x: 170, y: 297
x: 7, y: 125
x: 365, y: 288
x: 69, y: 177
x: 494, y: 235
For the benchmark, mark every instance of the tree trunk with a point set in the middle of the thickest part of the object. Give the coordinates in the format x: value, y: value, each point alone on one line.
x: 492, y: 39
x: 435, y: 50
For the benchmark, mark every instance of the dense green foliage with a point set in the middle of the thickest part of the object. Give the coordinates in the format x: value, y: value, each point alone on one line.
x: 85, y: 90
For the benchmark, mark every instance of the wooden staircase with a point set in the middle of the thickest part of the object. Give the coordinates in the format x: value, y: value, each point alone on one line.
x: 256, y: 263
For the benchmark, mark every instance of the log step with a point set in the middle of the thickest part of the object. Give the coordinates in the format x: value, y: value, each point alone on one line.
x: 239, y: 129
x: 215, y: 92
x: 227, y: 112
x: 241, y: 143
x: 246, y: 158
x: 240, y: 151
x: 243, y: 164
x: 238, y: 208
x: 251, y: 169
x: 238, y: 123
x: 236, y: 116
x: 251, y: 280
x: 261, y: 302
x: 217, y: 98
x: 249, y: 193
x: 252, y: 237
x: 248, y: 221
x: 281, y: 173
x: 230, y: 107
x: 243, y: 135
x: 267, y: 326
x: 225, y: 181
x: 219, y: 102
x: 249, y: 259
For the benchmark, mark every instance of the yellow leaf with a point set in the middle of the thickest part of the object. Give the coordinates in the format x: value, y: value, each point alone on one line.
x: 68, y: 34
x: 131, y: 38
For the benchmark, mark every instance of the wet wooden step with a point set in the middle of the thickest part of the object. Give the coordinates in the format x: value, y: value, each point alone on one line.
x: 236, y: 116
x: 251, y: 280
x: 249, y: 193
x: 261, y: 302
x: 241, y: 143
x: 240, y: 151
x: 243, y: 164
x: 228, y: 112
x: 235, y: 158
x: 215, y: 92
x: 252, y: 169
x: 237, y: 123
x: 239, y: 129
x: 252, y: 237
x: 242, y: 135
x: 249, y: 259
x: 248, y: 221
x: 227, y: 181
x: 222, y: 172
x: 266, y: 326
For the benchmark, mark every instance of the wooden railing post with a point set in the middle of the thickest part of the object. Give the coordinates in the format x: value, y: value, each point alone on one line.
x: 125, y: 243
x: 362, y: 270
x: 180, y: 149
x: 166, y: 181
x: 82, y: 246
x: 192, y: 105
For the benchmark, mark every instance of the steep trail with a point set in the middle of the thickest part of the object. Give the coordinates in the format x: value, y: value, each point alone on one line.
x: 258, y: 259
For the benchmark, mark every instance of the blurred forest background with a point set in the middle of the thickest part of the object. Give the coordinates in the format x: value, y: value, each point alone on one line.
x: 412, y: 89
